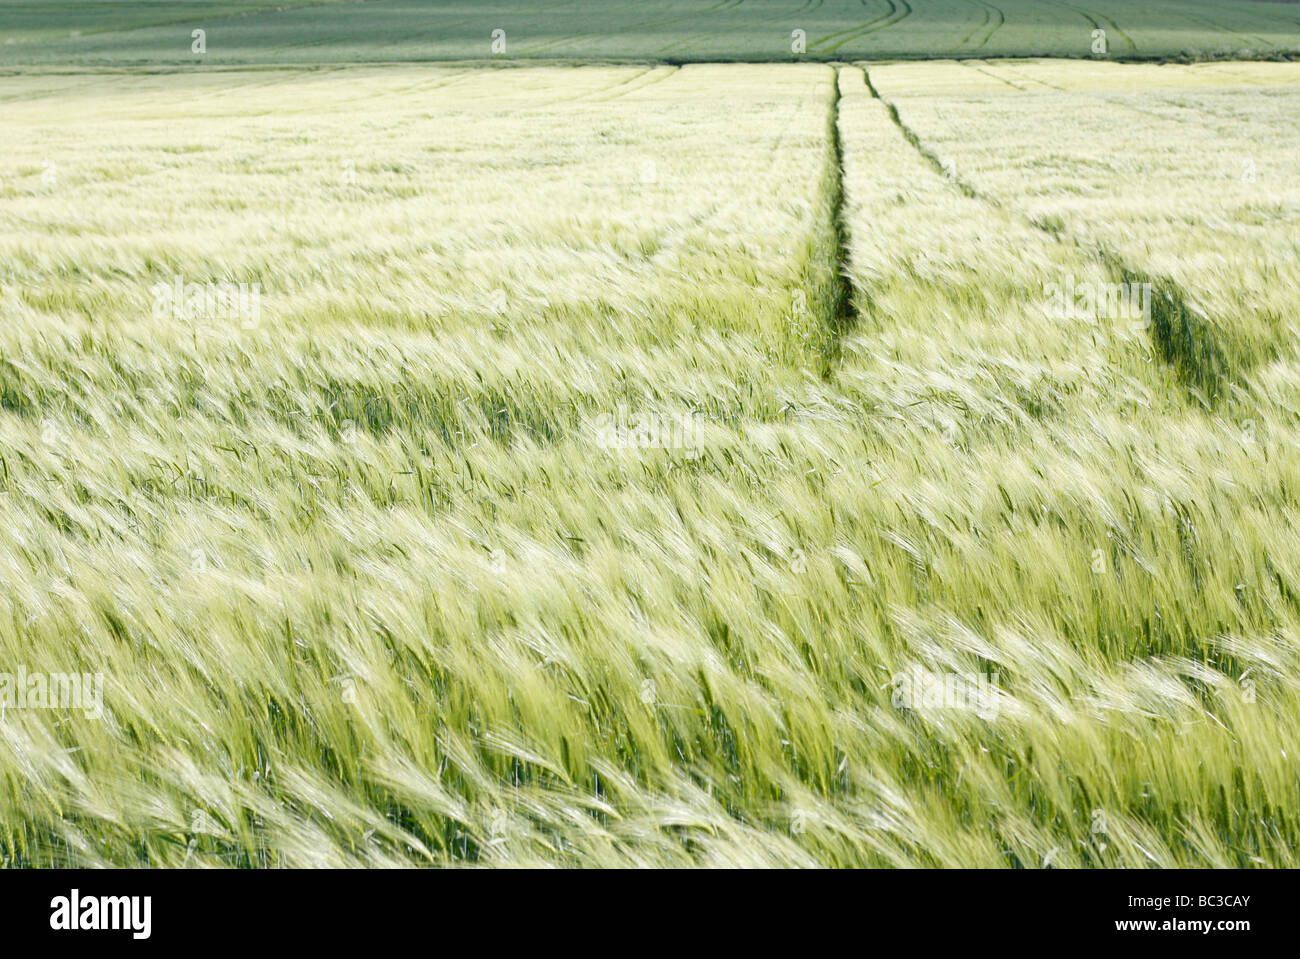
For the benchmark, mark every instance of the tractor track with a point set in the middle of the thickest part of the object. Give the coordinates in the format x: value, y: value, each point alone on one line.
x: 1100, y: 24
x: 842, y: 309
x: 1184, y: 339
x: 899, y: 10
x: 991, y: 14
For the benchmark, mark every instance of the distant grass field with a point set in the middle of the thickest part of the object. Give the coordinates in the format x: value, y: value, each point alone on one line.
x: 653, y: 465
x: 123, y: 33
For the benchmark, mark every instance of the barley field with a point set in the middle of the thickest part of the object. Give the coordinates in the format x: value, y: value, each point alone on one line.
x: 862, y: 463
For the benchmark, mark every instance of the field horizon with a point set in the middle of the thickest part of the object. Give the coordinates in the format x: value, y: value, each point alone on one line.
x: 65, y: 33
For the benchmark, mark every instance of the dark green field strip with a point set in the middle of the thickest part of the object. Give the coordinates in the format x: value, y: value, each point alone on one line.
x: 50, y: 19
x: 320, y: 31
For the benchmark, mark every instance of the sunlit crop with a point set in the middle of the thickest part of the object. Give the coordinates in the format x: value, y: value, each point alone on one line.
x: 652, y: 465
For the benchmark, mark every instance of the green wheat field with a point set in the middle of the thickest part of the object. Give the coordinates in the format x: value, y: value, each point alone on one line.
x: 885, y: 453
